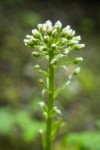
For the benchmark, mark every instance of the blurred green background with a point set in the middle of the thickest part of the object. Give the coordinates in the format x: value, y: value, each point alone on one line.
x: 20, y: 116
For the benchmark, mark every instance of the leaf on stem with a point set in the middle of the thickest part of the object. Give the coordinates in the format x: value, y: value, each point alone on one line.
x: 62, y: 87
x: 55, y: 128
x: 56, y: 58
x: 44, y: 91
x: 43, y: 72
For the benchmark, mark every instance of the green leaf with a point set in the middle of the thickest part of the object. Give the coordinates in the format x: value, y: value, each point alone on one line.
x: 56, y: 58
x: 83, y: 140
x: 61, y: 88
x: 43, y: 106
x: 56, y: 128
x: 44, y: 109
x: 44, y: 91
x: 43, y: 72
x: 6, y: 121
x: 30, y: 128
x: 60, y: 66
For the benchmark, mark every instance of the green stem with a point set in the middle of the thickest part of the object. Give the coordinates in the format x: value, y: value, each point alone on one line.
x: 50, y: 102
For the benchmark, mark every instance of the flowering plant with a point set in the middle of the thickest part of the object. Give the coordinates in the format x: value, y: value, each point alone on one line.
x: 53, y: 43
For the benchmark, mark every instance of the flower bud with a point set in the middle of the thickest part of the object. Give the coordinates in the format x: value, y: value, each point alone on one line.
x: 41, y: 81
x: 58, y: 25
x: 78, y: 38
x: 49, y: 23
x: 40, y: 26
x: 77, y: 60
x: 28, y: 36
x: 65, y: 51
x: 65, y: 31
x: 29, y: 42
x: 78, y: 46
x: 36, y: 54
x: 37, y: 66
x: 42, y: 104
x: 55, y: 109
x: 76, y: 71
x: 71, y: 42
x: 36, y: 33
x: 54, y: 33
x: 49, y: 26
x: 46, y: 38
x: 53, y: 46
x: 42, y: 48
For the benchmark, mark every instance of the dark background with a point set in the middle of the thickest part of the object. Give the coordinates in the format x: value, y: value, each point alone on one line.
x: 20, y: 116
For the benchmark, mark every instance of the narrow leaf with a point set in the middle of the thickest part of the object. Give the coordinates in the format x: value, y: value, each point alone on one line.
x: 56, y: 128
x: 61, y: 88
x: 44, y: 72
x: 56, y: 58
x: 43, y: 92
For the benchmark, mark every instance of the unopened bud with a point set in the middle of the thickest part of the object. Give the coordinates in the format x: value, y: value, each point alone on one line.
x: 46, y: 38
x: 76, y: 71
x: 65, y: 51
x: 78, y: 46
x: 77, y: 60
x: 58, y: 25
x: 54, y: 32
x: 53, y: 46
x: 36, y: 54
x: 41, y: 81
x: 37, y: 66
x: 42, y: 48
x: 36, y: 33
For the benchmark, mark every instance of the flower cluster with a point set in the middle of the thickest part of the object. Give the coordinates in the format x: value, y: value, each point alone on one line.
x: 48, y: 38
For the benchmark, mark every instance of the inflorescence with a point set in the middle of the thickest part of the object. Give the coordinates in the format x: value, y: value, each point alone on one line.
x: 48, y: 37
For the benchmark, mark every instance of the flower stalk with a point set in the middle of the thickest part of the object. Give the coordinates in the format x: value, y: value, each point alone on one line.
x: 50, y: 102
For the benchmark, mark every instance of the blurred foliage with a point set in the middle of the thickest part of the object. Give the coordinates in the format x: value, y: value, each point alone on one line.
x: 19, y: 89
x: 12, y: 121
x: 83, y: 141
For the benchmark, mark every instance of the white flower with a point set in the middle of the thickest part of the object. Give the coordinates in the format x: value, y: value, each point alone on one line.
x: 80, y: 46
x: 66, y: 29
x: 35, y: 33
x: 70, y: 32
x: 58, y: 25
x: 40, y: 26
x: 28, y: 36
x: 44, y: 28
x: 54, y: 32
x: 49, y: 23
x: 73, y: 41
x: 78, y: 38
x: 26, y: 40
x: 64, y: 40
